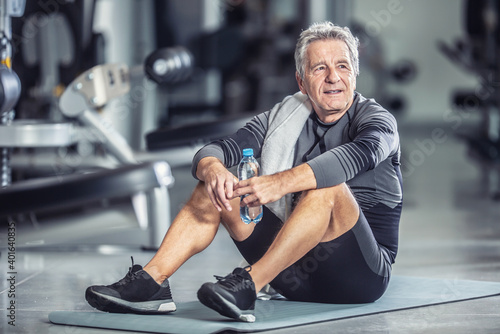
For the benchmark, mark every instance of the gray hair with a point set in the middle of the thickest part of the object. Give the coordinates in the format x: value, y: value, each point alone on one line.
x: 322, y: 31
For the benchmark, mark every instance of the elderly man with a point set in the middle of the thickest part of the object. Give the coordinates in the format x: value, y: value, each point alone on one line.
x: 331, y: 189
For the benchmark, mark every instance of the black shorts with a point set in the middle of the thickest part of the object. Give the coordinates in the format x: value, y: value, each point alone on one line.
x: 353, y: 268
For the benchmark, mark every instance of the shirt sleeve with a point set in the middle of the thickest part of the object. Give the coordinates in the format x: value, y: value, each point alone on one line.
x: 375, y: 139
x: 229, y: 149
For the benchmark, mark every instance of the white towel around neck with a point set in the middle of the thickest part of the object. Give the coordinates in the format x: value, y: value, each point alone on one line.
x: 286, y: 121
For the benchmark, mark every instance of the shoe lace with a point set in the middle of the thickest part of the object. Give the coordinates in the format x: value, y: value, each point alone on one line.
x: 232, y: 281
x: 130, y: 276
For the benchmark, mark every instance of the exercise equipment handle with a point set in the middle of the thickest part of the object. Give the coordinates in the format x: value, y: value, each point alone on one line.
x: 92, y: 90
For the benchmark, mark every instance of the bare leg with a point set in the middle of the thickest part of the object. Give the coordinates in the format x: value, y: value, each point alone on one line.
x: 321, y: 215
x: 192, y: 230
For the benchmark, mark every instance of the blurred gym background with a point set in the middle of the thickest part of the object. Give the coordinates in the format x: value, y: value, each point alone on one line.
x: 103, y: 104
x: 196, y: 70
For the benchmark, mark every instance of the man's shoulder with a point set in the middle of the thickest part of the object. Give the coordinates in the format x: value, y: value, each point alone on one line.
x: 369, y: 111
x: 364, y: 104
x: 369, y: 107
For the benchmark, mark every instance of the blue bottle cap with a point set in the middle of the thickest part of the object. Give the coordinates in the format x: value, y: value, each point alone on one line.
x: 247, y: 152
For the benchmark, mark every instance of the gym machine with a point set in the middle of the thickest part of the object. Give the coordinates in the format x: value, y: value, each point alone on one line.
x: 145, y: 182
x: 477, y: 53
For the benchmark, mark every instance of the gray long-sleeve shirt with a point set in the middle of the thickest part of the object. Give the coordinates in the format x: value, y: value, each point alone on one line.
x: 361, y: 149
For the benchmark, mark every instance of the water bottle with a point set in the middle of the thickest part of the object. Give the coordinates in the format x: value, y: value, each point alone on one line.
x: 249, y: 167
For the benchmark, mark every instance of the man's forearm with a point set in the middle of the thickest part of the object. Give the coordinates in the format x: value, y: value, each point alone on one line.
x: 204, y: 165
x: 297, y: 179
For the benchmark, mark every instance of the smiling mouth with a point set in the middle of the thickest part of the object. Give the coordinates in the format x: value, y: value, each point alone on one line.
x: 334, y: 91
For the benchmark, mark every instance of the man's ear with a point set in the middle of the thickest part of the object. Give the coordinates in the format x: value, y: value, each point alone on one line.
x: 301, y: 83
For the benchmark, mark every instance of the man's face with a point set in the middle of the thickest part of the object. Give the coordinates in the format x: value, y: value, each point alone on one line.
x: 329, y: 79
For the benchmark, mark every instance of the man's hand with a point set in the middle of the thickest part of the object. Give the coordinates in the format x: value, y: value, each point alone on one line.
x: 219, y: 182
x: 270, y: 188
x: 260, y: 190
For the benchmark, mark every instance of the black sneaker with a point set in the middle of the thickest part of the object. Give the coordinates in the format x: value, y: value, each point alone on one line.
x: 232, y: 296
x: 137, y: 292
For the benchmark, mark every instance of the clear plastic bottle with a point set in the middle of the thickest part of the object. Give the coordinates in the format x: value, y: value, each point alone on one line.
x: 249, y: 167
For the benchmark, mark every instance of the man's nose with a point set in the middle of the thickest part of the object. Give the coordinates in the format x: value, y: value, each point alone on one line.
x: 332, y: 76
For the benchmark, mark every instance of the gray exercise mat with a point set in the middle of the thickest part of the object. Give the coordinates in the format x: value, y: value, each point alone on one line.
x: 194, y: 318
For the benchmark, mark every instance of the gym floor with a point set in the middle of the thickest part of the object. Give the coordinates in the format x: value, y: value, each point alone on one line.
x: 450, y: 229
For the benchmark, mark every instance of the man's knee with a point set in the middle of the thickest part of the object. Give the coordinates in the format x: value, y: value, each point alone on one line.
x: 340, y: 204
x: 200, y: 204
x: 330, y: 196
x: 199, y: 195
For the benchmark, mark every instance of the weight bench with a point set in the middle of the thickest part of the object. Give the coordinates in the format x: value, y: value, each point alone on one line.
x: 147, y: 181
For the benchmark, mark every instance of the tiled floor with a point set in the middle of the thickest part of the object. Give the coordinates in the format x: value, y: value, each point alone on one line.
x: 450, y: 229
